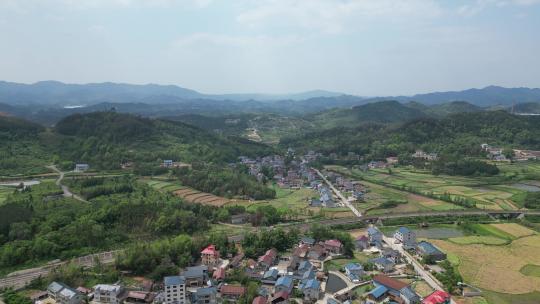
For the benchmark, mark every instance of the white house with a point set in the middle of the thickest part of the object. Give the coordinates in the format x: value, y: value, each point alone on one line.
x: 108, y: 294
x: 406, y: 237
x: 175, y: 290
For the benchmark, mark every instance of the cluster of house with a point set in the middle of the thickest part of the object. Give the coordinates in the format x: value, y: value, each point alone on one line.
x: 295, y: 174
x: 387, y: 288
x: 169, y: 163
x: 425, y: 156
x: 297, y: 275
x: 496, y: 154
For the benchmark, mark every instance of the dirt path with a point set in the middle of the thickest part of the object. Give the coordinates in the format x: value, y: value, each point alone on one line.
x: 67, y: 192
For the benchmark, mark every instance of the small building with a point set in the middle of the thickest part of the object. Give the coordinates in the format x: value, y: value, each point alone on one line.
x: 239, y: 219
x: 280, y: 297
x: 210, y: 256
x: 383, y: 264
x: 139, y: 297
x: 430, y: 251
x: 108, y: 294
x: 437, y: 297
x: 333, y: 246
x: 232, y: 292
x: 196, y: 275
x: 64, y: 294
x: 311, y: 290
x: 406, y: 237
x: 317, y: 252
x: 81, y: 167
x: 306, y: 240
x: 378, y: 294
x: 270, y: 276
x: 268, y: 259
x: 259, y: 300
x: 175, y: 290
x: 408, y: 295
x: 362, y: 242
x: 285, y: 284
x: 397, y: 290
x: 354, y: 271
x: 375, y: 235
x: 168, y: 163
x: 219, y: 274
x: 204, y: 295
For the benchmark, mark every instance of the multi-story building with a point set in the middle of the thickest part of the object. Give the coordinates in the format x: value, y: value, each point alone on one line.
x: 407, y: 237
x: 108, y: 294
x: 175, y: 290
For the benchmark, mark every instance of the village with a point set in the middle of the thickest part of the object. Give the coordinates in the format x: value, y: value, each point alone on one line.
x: 298, y: 276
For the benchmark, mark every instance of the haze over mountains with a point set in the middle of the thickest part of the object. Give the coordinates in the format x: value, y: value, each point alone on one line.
x: 58, y: 93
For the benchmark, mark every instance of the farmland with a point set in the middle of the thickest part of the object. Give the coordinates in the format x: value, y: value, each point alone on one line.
x: 501, y: 260
x: 503, y: 192
x: 189, y: 194
x: 4, y: 192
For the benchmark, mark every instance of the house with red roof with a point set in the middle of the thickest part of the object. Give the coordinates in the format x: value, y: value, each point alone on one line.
x: 219, y: 274
x: 437, y: 297
x: 210, y: 256
x: 232, y: 292
x: 268, y: 259
x: 259, y: 300
x: 333, y: 246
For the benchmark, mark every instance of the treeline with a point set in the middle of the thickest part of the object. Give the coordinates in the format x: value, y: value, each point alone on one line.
x: 93, y: 187
x: 464, y: 167
x: 37, y: 228
x: 457, y: 135
x: 532, y: 200
x: 226, y: 182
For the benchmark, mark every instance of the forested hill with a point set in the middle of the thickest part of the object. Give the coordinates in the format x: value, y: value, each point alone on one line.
x: 455, y: 134
x: 107, y: 139
x: 12, y: 127
x: 389, y: 111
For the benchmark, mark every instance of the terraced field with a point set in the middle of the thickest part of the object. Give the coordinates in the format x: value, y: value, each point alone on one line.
x: 189, y: 194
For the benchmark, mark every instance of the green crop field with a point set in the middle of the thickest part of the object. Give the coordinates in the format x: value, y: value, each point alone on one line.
x: 531, y: 270
x: 502, y: 192
x: 4, y: 192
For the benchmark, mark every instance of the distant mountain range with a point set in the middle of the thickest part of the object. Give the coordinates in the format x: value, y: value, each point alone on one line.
x: 62, y: 94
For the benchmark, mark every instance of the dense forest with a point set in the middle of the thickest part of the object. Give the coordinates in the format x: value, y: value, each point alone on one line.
x: 457, y: 135
x: 227, y: 182
x: 48, y: 226
x: 105, y: 140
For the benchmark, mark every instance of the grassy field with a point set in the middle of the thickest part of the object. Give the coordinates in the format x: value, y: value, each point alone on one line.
x: 498, y: 268
x: 4, y: 192
x: 502, y: 192
x: 473, y: 239
x: 530, y: 270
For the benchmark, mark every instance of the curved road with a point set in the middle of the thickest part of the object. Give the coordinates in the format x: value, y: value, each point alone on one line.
x: 67, y: 192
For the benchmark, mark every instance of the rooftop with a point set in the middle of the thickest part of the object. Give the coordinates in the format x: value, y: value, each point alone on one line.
x: 389, y: 282
x: 174, y: 280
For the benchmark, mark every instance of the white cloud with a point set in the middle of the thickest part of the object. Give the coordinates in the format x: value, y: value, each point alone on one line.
x: 478, y: 6
x: 332, y: 16
x: 244, y: 41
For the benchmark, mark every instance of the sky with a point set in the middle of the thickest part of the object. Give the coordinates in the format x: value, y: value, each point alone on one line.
x: 361, y: 47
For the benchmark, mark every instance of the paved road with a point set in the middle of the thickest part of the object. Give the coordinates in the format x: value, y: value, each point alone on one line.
x: 20, y: 279
x: 338, y: 194
x: 67, y: 192
x: 426, y: 275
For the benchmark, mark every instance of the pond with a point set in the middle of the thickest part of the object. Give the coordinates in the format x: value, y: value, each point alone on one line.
x: 334, y: 283
x: 438, y: 233
x: 526, y: 187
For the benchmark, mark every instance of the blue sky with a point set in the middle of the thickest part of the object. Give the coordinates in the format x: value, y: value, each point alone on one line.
x: 376, y: 47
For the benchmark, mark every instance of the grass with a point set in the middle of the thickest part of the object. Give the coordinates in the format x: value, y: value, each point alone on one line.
x: 498, y: 268
x: 494, y: 193
x: 505, y: 298
x: 473, y: 239
x: 530, y: 270
x: 338, y: 264
x: 4, y: 192
x: 513, y: 229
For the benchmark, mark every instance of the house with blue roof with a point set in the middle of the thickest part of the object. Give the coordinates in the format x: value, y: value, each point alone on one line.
x: 311, y: 289
x: 408, y: 295
x: 383, y: 264
x: 204, y: 295
x: 375, y: 235
x: 354, y: 271
x: 378, y: 293
x: 285, y: 284
x: 407, y: 237
x: 270, y: 276
x: 428, y: 250
x: 303, y: 267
